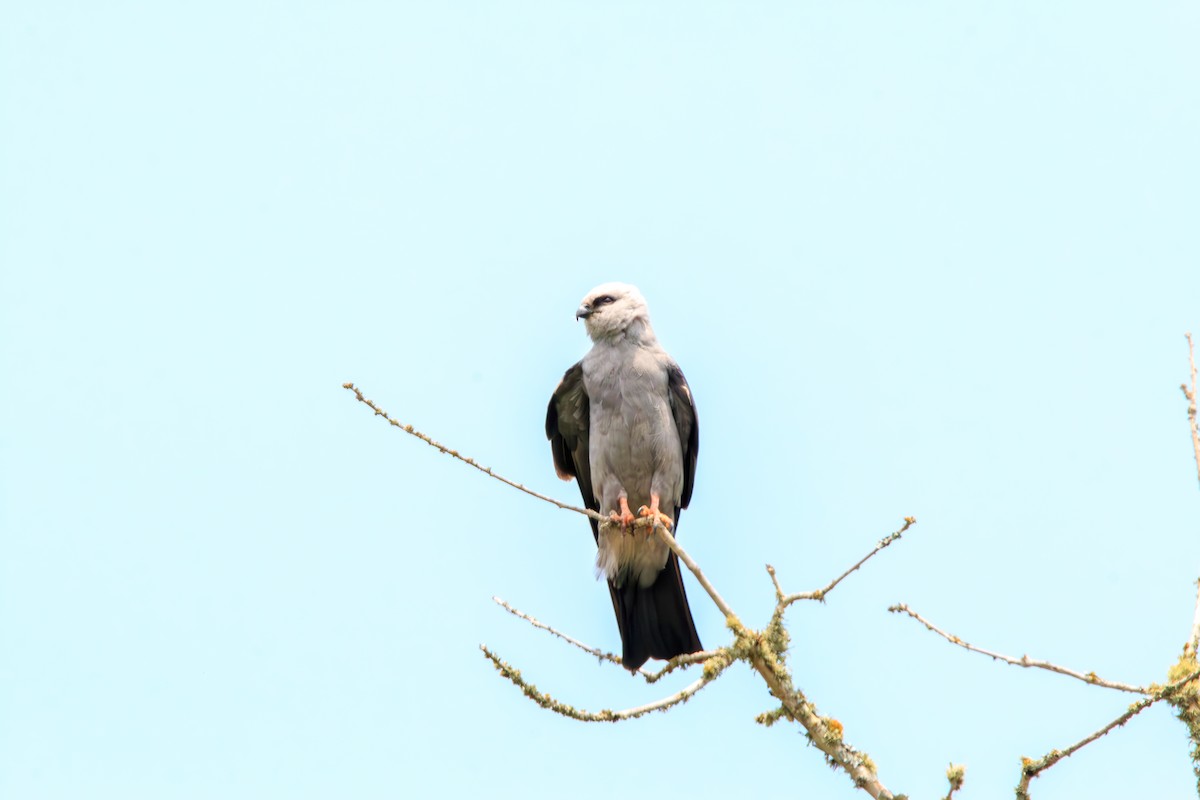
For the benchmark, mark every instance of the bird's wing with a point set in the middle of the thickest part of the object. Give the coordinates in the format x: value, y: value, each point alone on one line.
x: 683, y: 408
x: 567, y: 420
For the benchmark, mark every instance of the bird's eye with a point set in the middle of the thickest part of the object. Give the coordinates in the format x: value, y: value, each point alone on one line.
x: 602, y: 300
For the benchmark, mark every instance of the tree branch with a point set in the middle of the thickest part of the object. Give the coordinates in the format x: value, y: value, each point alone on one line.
x: 1186, y: 702
x: 1194, y: 428
x: 764, y: 654
x: 1190, y: 394
x: 764, y: 651
x: 825, y: 733
x: 681, y: 662
x: 1031, y: 769
x: 819, y: 594
x: 598, y: 653
x: 1023, y: 661
x: 1194, y: 640
x: 718, y: 665
x: 693, y: 566
x: 409, y: 429
x: 678, y: 662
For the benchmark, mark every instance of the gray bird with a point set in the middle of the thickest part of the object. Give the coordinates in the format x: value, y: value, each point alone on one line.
x: 622, y: 422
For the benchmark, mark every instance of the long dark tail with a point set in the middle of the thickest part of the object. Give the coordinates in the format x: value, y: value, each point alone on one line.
x: 655, y: 621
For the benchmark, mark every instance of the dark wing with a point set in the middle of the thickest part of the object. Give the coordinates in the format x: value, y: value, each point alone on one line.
x: 683, y: 408
x: 567, y: 420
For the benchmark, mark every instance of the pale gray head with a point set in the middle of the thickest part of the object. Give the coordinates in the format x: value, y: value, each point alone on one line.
x: 613, y: 310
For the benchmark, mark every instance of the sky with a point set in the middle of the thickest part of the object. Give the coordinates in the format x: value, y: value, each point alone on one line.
x: 932, y: 259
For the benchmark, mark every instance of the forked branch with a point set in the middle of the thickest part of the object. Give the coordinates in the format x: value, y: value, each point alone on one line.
x: 820, y: 594
x: 1030, y: 768
x: 764, y: 651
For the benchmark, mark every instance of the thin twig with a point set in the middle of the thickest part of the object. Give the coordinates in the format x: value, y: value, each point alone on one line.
x: 598, y: 653
x: 819, y: 594
x: 409, y: 429
x: 1023, y: 661
x: 1190, y: 394
x: 546, y: 701
x: 1194, y: 641
x: 766, y: 653
x: 775, y: 583
x: 695, y: 569
x: 1031, y: 769
x: 678, y: 662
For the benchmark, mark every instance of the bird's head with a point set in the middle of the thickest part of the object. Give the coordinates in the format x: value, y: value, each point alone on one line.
x: 614, y: 309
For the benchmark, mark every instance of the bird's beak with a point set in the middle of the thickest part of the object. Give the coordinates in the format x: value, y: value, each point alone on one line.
x: 583, y: 312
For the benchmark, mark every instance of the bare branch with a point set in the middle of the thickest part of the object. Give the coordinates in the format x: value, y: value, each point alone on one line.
x: 1190, y: 393
x: 825, y: 733
x: 678, y: 662
x: 1186, y: 703
x: 546, y: 701
x: 819, y: 594
x: 1194, y: 641
x: 1031, y: 769
x: 775, y: 583
x: 409, y: 429
x: 766, y: 650
x: 691, y: 565
x: 600, y: 654
x: 1023, y: 661
x: 763, y: 651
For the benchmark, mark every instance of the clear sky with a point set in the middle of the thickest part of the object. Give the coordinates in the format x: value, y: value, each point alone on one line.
x: 930, y: 259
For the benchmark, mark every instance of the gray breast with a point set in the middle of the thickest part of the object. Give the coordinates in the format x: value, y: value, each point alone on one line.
x: 635, y: 450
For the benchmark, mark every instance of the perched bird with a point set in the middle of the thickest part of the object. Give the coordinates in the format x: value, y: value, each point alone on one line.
x: 622, y: 422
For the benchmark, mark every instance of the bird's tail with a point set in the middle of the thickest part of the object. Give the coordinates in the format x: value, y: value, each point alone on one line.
x: 655, y: 620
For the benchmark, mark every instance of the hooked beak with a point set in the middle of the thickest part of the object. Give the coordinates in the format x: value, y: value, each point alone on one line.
x: 583, y: 312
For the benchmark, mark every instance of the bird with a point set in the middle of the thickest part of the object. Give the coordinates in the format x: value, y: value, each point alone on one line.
x: 622, y: 423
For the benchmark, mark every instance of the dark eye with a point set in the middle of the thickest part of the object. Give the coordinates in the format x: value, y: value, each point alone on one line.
x: 602, y: 300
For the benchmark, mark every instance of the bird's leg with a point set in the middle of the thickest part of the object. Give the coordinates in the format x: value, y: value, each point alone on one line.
x: 625, y: 518
x: 653, y: 511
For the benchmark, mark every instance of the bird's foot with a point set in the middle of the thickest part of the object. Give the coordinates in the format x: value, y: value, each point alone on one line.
x: 625, y: 518
x: 653, y: 511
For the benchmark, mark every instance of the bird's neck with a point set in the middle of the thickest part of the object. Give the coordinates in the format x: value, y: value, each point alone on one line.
x: 637, y: 333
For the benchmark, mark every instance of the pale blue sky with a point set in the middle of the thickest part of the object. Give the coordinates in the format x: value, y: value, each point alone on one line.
x: 915, y: 258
